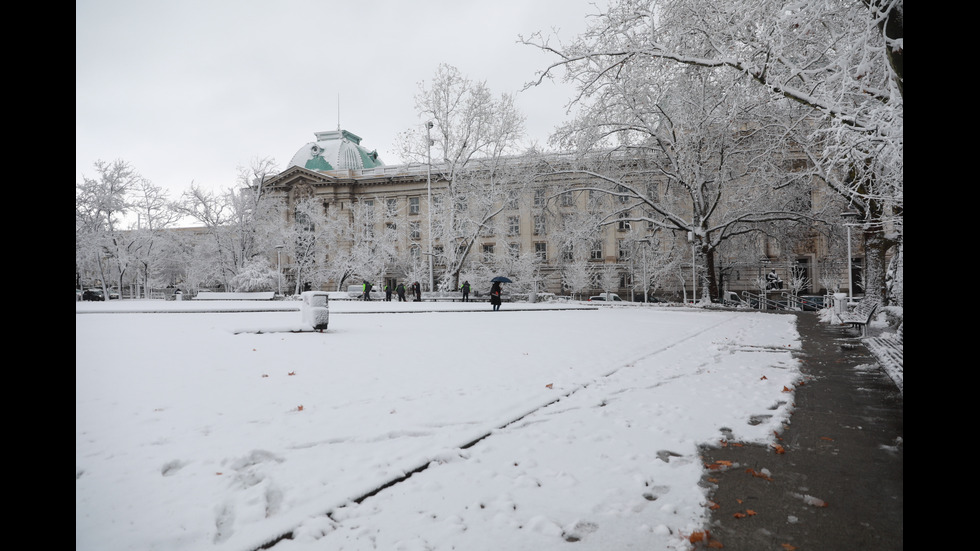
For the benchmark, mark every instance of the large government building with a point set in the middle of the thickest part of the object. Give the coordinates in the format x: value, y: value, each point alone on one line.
x: 534, y: 219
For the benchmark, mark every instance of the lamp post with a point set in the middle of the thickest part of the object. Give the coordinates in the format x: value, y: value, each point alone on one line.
x: 279, y: 267
x: 850, y: 284
x: 694, y: 268
x: 428, y: 188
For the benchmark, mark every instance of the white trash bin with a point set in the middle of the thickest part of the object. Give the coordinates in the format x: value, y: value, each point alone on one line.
x: 840, y: 303
x: 316, y: 309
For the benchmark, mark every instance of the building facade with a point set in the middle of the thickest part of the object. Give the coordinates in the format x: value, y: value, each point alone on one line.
x: 567, y: 233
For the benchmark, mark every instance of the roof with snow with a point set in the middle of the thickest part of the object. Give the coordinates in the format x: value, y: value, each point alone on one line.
x: 335, y: 150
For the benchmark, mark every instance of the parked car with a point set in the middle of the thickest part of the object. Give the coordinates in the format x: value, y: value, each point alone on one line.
x: 93, y: 294
x: 605, y: 297
x: 113, y: 294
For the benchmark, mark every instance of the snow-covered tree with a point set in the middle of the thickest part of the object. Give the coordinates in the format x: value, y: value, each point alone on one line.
x: 471, y: 132
x: 240, y: 222
x: 256, y: 275
x: 682, y: 152
x: 100, y: 204
x: 842, y: 61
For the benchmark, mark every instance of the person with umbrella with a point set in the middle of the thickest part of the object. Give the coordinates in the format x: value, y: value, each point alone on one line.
x: 495, y: 290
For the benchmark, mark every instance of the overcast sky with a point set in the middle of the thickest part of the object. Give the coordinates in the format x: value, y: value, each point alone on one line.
x: 190, y: 90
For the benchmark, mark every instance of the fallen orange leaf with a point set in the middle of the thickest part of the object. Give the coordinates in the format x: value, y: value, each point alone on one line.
x: 786, y: 389
x: 300, y: 408
x: 291, y: 373
x: 757, y: 474
x: 750, y: 512
x: 788, y: 547
x: 827, y: 438
x: 739, y: 515
x: 778, y: 448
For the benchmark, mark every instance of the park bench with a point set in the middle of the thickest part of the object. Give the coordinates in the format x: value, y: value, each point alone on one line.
x: 453, y: 296
x: 861, y: 315
x: 212, y: 295
x: 888, y: 350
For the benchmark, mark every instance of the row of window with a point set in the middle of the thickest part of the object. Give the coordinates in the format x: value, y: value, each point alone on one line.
x: 513, y: 200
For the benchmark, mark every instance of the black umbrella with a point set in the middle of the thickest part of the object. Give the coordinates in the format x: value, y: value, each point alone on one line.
x: 501, y: 279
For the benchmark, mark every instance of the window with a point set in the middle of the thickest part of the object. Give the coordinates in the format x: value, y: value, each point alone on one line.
x: 414, y: 230
x: 595, y: 253
x: 391, y: 207
x: 413, y: 205
x: 488, y: 252
x: 568, y: 253
x: 653, y: 193
x: 624, y: 224
x: 541, y: 251
x: 539, y: 228
x: 539, y: 198
x: 625, y: 198
x: 514, y: 249
x: 624, y: 250
x: 512, y: 200
x: 567, y: 200
x: 416, y: 252
x: 513, y: 225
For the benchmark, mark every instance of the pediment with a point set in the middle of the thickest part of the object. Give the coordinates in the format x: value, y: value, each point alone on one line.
x: 296, y: 175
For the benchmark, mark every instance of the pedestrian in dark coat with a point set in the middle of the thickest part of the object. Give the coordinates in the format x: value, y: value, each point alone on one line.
x: 417, y: 290
x: 466, y: 291
x: 495, y: 295
x: 400, y: 289
x: 387, y: 292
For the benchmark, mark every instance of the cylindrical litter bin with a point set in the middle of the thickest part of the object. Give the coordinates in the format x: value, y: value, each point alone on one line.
x: 840, y: 303
x: 316, y: 309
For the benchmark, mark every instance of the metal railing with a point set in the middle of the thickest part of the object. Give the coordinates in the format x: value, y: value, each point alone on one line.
x: 783, y: 301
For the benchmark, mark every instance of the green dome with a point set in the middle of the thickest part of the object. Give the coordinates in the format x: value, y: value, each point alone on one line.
x: 335, y: 150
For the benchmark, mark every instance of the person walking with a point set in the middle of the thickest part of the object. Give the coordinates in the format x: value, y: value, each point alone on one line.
x: 495, y: 295
x: 367, y: 290
x: 387, y: 292
x: 400, y: 289
x: 466, y: 291
x: 417, y: 291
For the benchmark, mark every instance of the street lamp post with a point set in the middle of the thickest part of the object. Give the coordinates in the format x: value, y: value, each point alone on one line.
x: 279, y: 267
x: 428, y: 187
x: 850, y: 283
x: 694, y: 268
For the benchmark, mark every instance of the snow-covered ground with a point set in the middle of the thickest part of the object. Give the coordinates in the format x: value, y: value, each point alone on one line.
x: 223, y: 430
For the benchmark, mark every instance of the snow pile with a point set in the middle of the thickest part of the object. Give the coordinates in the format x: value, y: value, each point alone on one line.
x: 495, y: 430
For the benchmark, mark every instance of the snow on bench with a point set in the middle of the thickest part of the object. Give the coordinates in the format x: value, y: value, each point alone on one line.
x: 861, y: 316
x: 211, y: 295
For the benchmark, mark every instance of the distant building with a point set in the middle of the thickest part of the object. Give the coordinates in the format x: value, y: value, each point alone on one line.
x: 340, y: 173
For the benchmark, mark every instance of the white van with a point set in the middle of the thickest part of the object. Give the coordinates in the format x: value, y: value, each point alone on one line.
x: 605, y: 297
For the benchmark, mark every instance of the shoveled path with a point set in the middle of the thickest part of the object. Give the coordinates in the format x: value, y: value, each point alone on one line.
x: 838, y: 482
